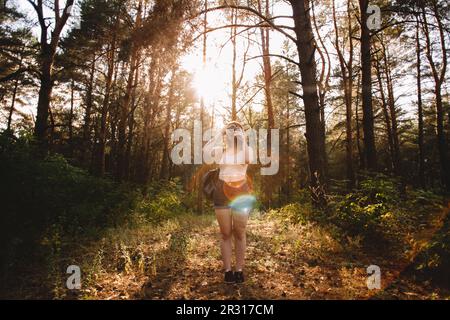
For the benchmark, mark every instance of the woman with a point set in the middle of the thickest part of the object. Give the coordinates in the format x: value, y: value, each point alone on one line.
x: 232, y: 196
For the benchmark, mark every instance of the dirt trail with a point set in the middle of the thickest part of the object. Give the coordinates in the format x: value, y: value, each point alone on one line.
x: 283, y: 262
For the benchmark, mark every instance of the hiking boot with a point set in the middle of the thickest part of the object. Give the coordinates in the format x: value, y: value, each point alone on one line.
x: 239, y: 277
x: 229, y: 277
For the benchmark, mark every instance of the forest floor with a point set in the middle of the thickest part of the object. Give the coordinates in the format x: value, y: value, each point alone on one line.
x: 180, y: 259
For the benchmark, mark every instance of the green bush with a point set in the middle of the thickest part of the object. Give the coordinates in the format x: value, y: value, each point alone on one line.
x: 380, y: 209
x: 164, y: 200
x: 295, y: 213
x: 43, y: 194
x: 434, y: 261
x: 362, y: 212
x: 48, y: 206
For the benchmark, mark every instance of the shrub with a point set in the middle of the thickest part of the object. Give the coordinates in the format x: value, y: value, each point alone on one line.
x: 40, y: 195
x: 380, y: 210
x: 434, y: 261
x: 164, y: 200
x: 295, y: 213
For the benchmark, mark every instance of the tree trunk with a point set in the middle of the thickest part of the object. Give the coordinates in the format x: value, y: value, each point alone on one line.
x: 366, y: 69
x: 347, y: 84
x: 323, y: 85
x: 125, y: 110
x: 199, y: 184
x: 164, y: 173
x: 393, y: 114
x: 123, y: 118
x: 288, y: 183
x: 152, y: 102
x: 420, y: 110
x: 13, y: 99
x: 142, y: 170
x: 362, y: 160
x: 233, y: 67
x: 100, y: 158
x: 88, y: 112
x: 442, y: 141
x: 348, y: 107
x: 45, y: 92
x: 131, y: 124
x: 308, y: 71
x: 46, y: 60
x: 12, y: 107
x: 267, y: 71
x: 387, y: 118
x: 72, y: 105
x: 439, y: 78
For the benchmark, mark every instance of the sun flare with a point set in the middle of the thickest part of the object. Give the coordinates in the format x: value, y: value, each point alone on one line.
x: 210, y: 85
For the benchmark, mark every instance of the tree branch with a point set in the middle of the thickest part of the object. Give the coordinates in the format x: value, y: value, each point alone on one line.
x: 277, y: 56
x: 296, y: 94
x: 254, y: 12
x: 39, y: 11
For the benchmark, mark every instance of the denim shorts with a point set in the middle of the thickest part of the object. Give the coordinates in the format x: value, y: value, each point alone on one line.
x: 224, y: 194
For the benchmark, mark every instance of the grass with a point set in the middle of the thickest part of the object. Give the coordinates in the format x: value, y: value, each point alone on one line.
x: 180, y: 259
x: 132, y: 244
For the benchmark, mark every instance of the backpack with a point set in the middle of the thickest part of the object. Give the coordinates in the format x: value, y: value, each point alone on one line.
x: 209, y: 181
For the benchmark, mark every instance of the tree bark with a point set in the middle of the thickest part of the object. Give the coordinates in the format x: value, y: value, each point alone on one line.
x: 439, y: 78
x: 101, y: 146
x: 131, y: 124
x: 72, y: 105
x: 46, y: 60
x: 387, y: 118
x: 366, y: 81
x: 233, y: 66
x: 267, y: 72
x: 87, y: 116
x: 308, y: 70
x: 123, y: 117
x: 393, y: 113
x: 346, y: 68
x: 13, y: 98
x: 420, y: 109
x: 362, y: 160
x: 125, y: 110
x: 164, y: 173
x: 45, y: 92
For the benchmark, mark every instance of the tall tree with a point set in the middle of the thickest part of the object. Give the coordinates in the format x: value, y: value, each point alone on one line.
x: 126, y: 107
x: 308, y: 69
x: 386, y: 115
x: 17, y: 61
x: 366, y: 82
x: 392, y: 111
x: 346, y: 70
x: 264, y: 9
x: 419, y: 106
x: 49, y: 40
x: 438, y: 73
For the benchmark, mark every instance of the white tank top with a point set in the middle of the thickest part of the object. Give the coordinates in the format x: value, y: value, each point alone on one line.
x: 232, y: 166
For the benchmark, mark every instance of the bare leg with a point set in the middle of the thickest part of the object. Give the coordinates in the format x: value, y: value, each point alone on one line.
x: 240, y: 239
x: 225, y: 224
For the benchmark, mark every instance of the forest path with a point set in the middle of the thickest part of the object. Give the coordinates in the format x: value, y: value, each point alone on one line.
x: 284, y: 261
